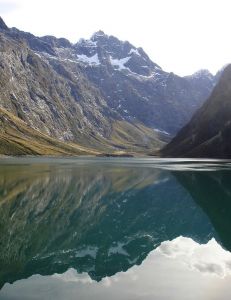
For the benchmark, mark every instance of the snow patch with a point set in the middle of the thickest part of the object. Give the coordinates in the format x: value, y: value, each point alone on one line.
x: 161, y: 131
x: 145, y: 76
x: 135, y: 51
x: 36, y: 53
x: 120, y: 63
x: 158, y: 68
x: 92, y: 60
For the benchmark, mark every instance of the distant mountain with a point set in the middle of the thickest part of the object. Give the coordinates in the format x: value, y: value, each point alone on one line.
x: 100, y: 93
x: 208, y: 133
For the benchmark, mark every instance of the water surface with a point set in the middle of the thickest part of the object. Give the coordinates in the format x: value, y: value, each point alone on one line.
x: 115, y: 228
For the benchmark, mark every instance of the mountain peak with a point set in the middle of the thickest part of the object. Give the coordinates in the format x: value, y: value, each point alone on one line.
x: 3, y: 24
x: 203, y: 72
x: 98, y: 34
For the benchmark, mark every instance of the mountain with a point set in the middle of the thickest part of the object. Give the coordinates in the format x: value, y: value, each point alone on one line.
x: 134, y: 86
x: 209, y: 131
x: 100, y: 93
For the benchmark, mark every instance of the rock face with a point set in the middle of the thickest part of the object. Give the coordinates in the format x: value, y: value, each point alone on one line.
x: 137, y: 88
x: 101, y: 93
x: 17, y: 138
x: 208, y: 133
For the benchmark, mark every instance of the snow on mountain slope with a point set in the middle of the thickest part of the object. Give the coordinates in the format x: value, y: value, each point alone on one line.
x: 82, y: 92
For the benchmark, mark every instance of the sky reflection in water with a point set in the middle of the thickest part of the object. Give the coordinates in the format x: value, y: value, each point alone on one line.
x: 101, y: 229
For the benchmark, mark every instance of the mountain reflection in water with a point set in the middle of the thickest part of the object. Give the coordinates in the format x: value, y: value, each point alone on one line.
x: 103, y: 218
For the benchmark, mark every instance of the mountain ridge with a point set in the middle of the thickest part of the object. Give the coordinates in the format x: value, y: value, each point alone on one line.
x: 209, y: 131
x: 79, y: 93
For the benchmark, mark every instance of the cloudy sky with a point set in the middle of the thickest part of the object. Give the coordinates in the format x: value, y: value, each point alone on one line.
x: 180, y: 35
x: 178, y: 269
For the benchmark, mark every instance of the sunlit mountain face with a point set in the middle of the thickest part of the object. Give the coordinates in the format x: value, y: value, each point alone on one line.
x: 101, y: 95
x: 102, y: 217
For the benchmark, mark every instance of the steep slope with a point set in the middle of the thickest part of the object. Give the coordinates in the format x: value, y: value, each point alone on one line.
x: 49, y: 97
x: 208, y: 133
x: 100, y: 93
x: 55, y: 101
x: 17, y: 138
x: 136, y: 87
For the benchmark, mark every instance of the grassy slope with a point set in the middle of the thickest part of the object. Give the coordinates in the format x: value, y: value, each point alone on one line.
x: 135, y: 137
x: 17, y: 138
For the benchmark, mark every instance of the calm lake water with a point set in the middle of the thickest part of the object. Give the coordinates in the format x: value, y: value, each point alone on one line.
x: 111, y: 228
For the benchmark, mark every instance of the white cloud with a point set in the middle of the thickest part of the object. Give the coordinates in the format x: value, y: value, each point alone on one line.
x: 178, y: 270
x: 208, y: 258
x: 71, y: 275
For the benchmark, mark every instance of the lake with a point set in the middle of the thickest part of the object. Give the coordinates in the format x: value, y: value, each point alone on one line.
x: 115, y: 228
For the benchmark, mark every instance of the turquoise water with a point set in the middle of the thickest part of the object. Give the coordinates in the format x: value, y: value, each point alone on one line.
x: 114, y: 228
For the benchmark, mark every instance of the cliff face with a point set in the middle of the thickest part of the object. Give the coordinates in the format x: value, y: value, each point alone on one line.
x: 17, y: 138
x: 209, y: 131
x: 101, y: 93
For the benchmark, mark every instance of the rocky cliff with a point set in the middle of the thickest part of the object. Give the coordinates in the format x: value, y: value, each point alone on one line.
x: 100, y: 93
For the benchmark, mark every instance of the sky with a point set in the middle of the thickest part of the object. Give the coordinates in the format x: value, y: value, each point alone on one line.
x: 182, y: 36
x: 178, y: 269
